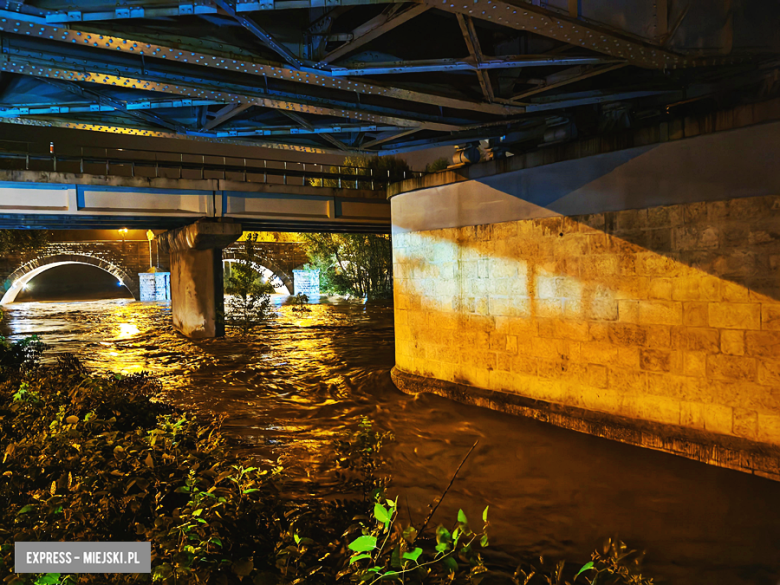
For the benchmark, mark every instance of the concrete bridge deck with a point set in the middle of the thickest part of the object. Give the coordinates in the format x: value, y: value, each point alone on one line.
x: 56, y: 200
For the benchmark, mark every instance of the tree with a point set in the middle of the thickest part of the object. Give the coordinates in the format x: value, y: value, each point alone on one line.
x: 249, y: 304
x: 439, y: 164
x: 360, y: 264
x: 22, y: 240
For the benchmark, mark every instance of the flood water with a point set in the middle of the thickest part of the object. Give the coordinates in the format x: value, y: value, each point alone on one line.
x: 308, y: 377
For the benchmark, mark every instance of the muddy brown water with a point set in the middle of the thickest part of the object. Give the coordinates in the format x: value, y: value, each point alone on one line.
x: 306, y: 378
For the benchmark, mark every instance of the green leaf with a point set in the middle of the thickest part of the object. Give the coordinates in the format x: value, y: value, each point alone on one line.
x: 462, y: 517
x: 381, y: 513
x: 359, y: 557
x: 442, y: 534
x: 484, y: 514
x: 198, y: 512
x: 216, y: 541
x: 483, y: 541
x: 363, y: 544
x: 297, y: 538
x: 48, y: 579
x: 27, y: 508
x: 450, y: 564
x: 585, y: 567
x: 414, y: 555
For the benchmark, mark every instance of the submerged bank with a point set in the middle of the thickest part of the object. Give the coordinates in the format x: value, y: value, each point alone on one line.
x: 307, y: 378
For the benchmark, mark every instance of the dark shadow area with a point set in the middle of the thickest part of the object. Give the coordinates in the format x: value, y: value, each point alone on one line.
x: 73, y: 282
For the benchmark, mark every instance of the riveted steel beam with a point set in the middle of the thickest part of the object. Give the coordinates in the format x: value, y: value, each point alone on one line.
x: 308, y: 126
x: 16, y: 110
x: 117, y: 129
x: 389, y: 138
x: 42, y: 70
x: 583, y: 74
x: 305, y: 76
x: 262, y: 34
x: 472, y: 43
x: 120, y: 105
x: 225, y: 114
x: 299, y: 129
x: 465, y: 64
x: 372, y: 30
x: 537, y: 20
x: 97, y: 14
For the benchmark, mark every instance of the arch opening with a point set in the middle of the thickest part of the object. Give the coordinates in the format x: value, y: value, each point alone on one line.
x: 277, y: 281
x: 20, y: 280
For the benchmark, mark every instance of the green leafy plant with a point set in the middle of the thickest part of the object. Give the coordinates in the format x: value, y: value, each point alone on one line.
x: 249, y: 304
x: 386, y: 551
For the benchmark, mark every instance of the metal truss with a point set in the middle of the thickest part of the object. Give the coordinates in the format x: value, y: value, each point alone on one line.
x: 258, y: 72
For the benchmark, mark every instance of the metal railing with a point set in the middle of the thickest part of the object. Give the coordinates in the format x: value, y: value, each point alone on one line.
x: 84, y: 159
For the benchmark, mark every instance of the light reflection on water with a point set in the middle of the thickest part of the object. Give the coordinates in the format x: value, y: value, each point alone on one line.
x: 310, y: 376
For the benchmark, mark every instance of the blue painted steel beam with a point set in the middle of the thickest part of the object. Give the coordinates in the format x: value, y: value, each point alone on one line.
x: 159, y: 80
x: 262, y: 34
x: 466, y: 64
x: 18, y: 110
x: 191, y: 8
x: 307, y: 76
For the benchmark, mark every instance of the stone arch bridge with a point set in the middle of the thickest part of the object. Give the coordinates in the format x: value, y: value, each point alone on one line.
x: 125, y: 259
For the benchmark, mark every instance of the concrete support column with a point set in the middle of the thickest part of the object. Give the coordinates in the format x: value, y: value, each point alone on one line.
x: 197, y: 298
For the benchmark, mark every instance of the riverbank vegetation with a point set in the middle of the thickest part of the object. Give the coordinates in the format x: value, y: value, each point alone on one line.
x: 19, y: 241
x: 357, y: 264
x: 248, y: 303
x: 93, y: 457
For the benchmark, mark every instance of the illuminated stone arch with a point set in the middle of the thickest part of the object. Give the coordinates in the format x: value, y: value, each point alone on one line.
x: 263, y: 263
x: 17, y: 280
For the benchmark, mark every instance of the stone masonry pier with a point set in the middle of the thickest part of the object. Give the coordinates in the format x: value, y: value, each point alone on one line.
x: 631, y: 294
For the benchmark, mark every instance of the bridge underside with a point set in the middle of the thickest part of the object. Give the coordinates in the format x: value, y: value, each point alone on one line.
x: 50, y: 200
x: 379, y: 76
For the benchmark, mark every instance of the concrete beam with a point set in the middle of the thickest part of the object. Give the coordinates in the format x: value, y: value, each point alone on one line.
x: 197, y: 295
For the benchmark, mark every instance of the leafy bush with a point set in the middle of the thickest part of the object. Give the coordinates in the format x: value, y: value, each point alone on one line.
x: 87, y: 457
x: 248, y: 304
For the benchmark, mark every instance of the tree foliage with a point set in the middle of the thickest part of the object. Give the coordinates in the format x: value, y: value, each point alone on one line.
x: 358, y: 264
x: 439, y: 164
x: 22, y: 240
x: 248, y: 302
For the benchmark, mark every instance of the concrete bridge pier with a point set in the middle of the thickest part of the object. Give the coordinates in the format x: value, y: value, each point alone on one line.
x: 632, y: 294
x: 197, y: 298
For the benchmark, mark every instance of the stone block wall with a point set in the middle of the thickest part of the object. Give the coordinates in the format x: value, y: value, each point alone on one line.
x: 666, y: 314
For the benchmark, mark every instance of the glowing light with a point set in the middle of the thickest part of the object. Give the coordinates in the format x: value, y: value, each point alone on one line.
x: 119, y: 283
x: 122, y: 231
x: 127, y: 330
